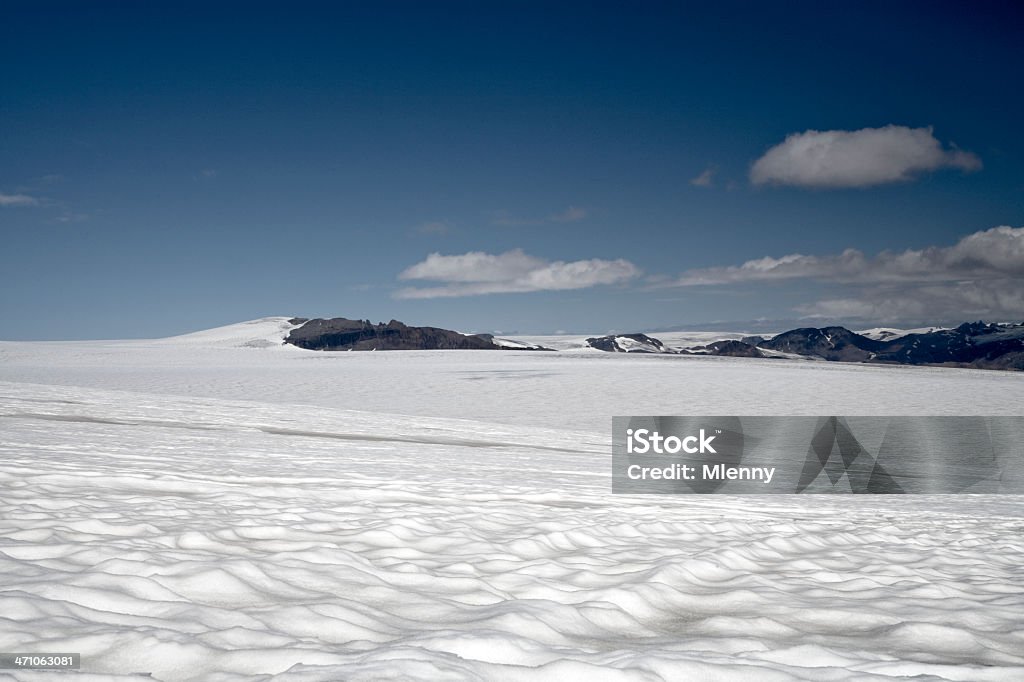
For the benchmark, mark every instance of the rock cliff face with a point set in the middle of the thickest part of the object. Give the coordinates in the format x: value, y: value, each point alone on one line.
x: 341, y: 333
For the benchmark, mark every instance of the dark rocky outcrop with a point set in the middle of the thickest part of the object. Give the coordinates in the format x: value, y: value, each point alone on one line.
x: 1012, y: 360
x: 975, y: 344
x: 733, y: 349
x: 341, y: 333
x: 620, y: 343
x: 829, y: 343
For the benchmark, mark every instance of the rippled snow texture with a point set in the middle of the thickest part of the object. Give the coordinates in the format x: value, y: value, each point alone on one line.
x: 207, y: 538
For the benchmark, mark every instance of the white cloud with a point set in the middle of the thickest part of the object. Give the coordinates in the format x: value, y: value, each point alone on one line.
x: 17, y: 200
x: 792, y: 266
x: 705, y: 179
x: 979, y: 277
x: 857, y: 158
x: 990, y: 254
x: 992, y: 300
x: 476, y: 273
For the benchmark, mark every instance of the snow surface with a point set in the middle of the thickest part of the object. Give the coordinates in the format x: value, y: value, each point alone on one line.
x: 633, y: 346
x: 214, y: 508
x: 267, y: 332
x: 509, y: 343
x: 891, y: 333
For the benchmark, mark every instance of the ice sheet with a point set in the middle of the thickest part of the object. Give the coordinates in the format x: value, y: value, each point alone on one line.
x: 221, y: 510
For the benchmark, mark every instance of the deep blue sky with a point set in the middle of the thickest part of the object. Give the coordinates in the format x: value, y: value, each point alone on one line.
x: 173, y: 167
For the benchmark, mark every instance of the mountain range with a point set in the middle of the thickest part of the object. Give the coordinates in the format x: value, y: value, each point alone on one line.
x: 974, y: 344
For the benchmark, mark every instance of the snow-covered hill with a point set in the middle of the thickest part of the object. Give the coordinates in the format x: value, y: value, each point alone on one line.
x: 267, y: 332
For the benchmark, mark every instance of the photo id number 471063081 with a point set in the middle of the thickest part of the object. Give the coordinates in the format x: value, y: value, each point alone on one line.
x: 39, y: 661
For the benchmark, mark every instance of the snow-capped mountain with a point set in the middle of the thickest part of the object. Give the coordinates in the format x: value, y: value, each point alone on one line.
x: 977, y: 344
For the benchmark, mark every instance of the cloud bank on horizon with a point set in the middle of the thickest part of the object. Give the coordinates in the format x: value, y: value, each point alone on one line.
x: 996, y: 253
x: 987, y: 300
x: 981, y: 276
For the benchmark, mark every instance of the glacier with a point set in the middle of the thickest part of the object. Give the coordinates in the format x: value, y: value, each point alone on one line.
x: 219, y: 507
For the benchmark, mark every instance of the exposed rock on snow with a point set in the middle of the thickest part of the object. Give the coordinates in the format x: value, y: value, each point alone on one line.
x: 829, y: 343
x: 340, y: 333
x: 627, y: 343
x: 734, y: 349
x: 979, y: 345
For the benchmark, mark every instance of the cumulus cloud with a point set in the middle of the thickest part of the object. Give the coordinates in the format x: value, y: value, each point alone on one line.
x: 17, y: 200
x: 857, y: 158
x: 475, y: 273
x: 988, y: 254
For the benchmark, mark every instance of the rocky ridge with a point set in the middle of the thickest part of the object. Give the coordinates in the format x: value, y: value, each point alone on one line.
x: 973, y: 344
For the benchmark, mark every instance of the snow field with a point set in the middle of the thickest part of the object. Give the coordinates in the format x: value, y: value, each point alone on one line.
x: 218, y: 511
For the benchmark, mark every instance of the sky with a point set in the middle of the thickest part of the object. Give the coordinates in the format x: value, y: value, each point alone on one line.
x: 511, y: 167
